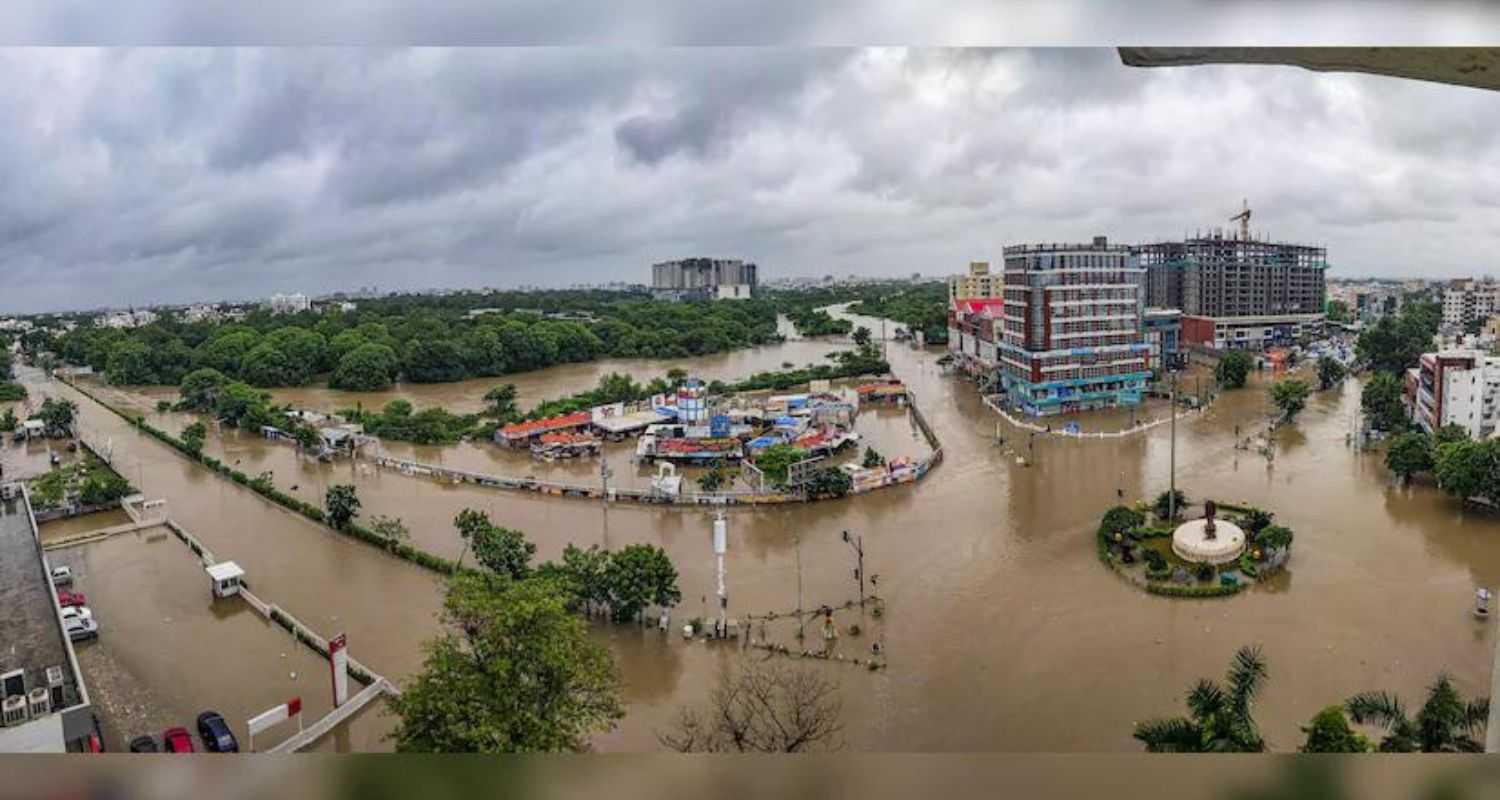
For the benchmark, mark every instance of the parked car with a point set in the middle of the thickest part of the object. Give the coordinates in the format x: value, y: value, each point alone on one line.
x: 66, y: 598
x: 79, y: 629
x: 217, y: 738
x: 144, y: 744
x: 177, y: 740
x: 76, y: 612
x: 62, y: 576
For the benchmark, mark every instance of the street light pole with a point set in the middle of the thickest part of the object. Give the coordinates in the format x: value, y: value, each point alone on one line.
x: 858, y: 544
x: 801, y: 618
x: 1172, y: 460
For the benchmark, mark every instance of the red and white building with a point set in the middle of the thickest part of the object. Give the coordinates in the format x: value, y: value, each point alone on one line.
x: 1455, y: 387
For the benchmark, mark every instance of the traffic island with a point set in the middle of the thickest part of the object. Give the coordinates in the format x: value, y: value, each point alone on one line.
x: 1198, y: 554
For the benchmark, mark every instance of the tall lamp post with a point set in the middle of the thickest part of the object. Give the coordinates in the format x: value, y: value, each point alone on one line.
x: 857, y: 543
x: 1172, y: 460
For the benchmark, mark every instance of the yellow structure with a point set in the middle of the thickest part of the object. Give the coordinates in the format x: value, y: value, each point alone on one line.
x: 977, y: 283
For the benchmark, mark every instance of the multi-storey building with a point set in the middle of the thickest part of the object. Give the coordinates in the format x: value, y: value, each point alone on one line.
x: 1071, y: 328
x: 977, y: 283
x: 1455, y: 387
x: 1236, y: 291
x: 1468, y: 301
x: 1162, y: 328
x: 703, y: 279
x: 288, y: 303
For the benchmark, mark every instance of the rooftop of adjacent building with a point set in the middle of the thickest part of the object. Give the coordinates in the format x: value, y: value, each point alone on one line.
x: 1100, y: 244
x: 29, y: 625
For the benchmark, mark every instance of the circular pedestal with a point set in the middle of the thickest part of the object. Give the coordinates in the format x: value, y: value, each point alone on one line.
x: 1191, y: 544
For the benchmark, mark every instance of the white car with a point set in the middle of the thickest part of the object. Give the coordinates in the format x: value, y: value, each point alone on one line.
x: 79, y: 629
x: 77, y: 613
x: 62, y: 576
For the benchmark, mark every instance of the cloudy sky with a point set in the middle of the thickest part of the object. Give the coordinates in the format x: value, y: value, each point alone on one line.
x: 146, y: 176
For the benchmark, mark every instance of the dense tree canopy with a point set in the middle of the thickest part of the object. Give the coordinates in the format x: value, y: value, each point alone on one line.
x: 1381, y: 401
x: 1395, y: 343
x: 1234, y: 369
x: 515, y: 671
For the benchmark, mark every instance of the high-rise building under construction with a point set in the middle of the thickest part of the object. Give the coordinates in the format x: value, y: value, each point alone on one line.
x: 1237, y: 291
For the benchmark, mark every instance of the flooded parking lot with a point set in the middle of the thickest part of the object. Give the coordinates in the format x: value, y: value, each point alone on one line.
x: 167, y: 650
x: 1003, y: 631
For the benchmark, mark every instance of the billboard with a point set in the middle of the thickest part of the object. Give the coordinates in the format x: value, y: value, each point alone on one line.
x: 338, y: 664
x: 607, y: 411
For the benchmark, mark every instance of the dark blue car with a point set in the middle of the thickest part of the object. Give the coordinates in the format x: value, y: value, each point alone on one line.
x: 217, y: 738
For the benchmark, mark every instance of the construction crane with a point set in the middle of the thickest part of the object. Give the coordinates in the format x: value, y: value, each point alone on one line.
x: 1244, y: 219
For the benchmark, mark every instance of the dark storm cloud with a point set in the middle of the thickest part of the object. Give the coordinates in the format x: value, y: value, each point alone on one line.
x: 171, y: 175
x: 769, y: 22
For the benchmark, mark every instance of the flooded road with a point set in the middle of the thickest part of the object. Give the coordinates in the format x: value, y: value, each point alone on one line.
x: 1002, y: 630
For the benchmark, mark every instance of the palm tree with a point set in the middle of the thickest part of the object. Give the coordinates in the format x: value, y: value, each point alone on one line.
x: 1446, y: 723
x: 1219, y: 719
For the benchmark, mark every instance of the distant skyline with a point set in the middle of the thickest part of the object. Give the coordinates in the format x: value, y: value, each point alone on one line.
x: 143, y: 177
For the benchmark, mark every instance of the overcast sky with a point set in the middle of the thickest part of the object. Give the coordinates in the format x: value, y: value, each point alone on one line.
x: 154, y: 176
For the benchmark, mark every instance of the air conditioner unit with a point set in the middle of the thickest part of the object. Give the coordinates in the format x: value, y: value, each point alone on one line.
x: 13, y: 710
x: 39, y: 703
x: 55, y: 686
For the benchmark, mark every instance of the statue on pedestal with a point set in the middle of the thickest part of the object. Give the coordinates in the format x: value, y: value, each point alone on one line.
x: 1208, y: 519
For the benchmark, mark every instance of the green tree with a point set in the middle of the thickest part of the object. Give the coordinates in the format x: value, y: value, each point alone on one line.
x: 1120, y: 519
x: 266, y: 365
x: 367, y: 368
x: 1393, y: 344
x: 306, y: 352
x: 829, y: 482
x: 102, y: 487
x: 1331, y: 372
x: 637, y: 576
x: 200, y: 389
x: 1164, y: 506
x: 502, y: 403
x: 714, y: 479
x: 391, y: 529
x: 501, y: 550
x: 1468, y: 469
x: 237, y: 402
x: 226, y: 350
x: 193, y: 437
x: 1219, y: 716
x: 862, y: 336
x: 8, y: 421
x: 1446, y: 723
x: 1233, y: 369
x: 130, y: 365
x: 433, y: 361
x: 1289, y: 395
x: 775, y: 462
x: 873, y: 458
x: 515, y: 671
x: 1256, y: 520
x: 342, y: 505
x: 1449, y: 433
x: 1329, y: 732
x: 584, y: 573
x: 57, y: 416
x: 1410, y: 453
x: 1381, y: 401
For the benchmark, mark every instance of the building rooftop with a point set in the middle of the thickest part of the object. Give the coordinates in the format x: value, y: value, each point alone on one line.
x: 31, y: 637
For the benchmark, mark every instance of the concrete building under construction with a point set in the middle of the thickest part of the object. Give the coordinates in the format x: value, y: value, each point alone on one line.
x: 1236, y: 290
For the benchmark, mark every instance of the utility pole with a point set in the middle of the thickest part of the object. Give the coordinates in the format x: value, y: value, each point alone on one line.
x: 1172, y: 461
x: 605, y: 473
x: 801, y: 618
x: 857, y: 543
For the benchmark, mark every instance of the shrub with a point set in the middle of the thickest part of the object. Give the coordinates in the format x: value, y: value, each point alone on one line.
x: 1205, y: 572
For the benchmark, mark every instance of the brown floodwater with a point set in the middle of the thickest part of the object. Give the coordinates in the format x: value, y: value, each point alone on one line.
x: 1002, y: 630
x: 73, y: 526
x: 167, y: 650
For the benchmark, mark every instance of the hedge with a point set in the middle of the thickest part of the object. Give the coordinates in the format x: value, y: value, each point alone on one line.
x: 1205, y: 590
x: 401, y: 550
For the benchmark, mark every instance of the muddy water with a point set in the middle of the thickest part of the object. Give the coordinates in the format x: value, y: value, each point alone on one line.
x: 1002, y: 630
x: 73, y: 526
x: 168, y: 651
x: 546, y: 384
